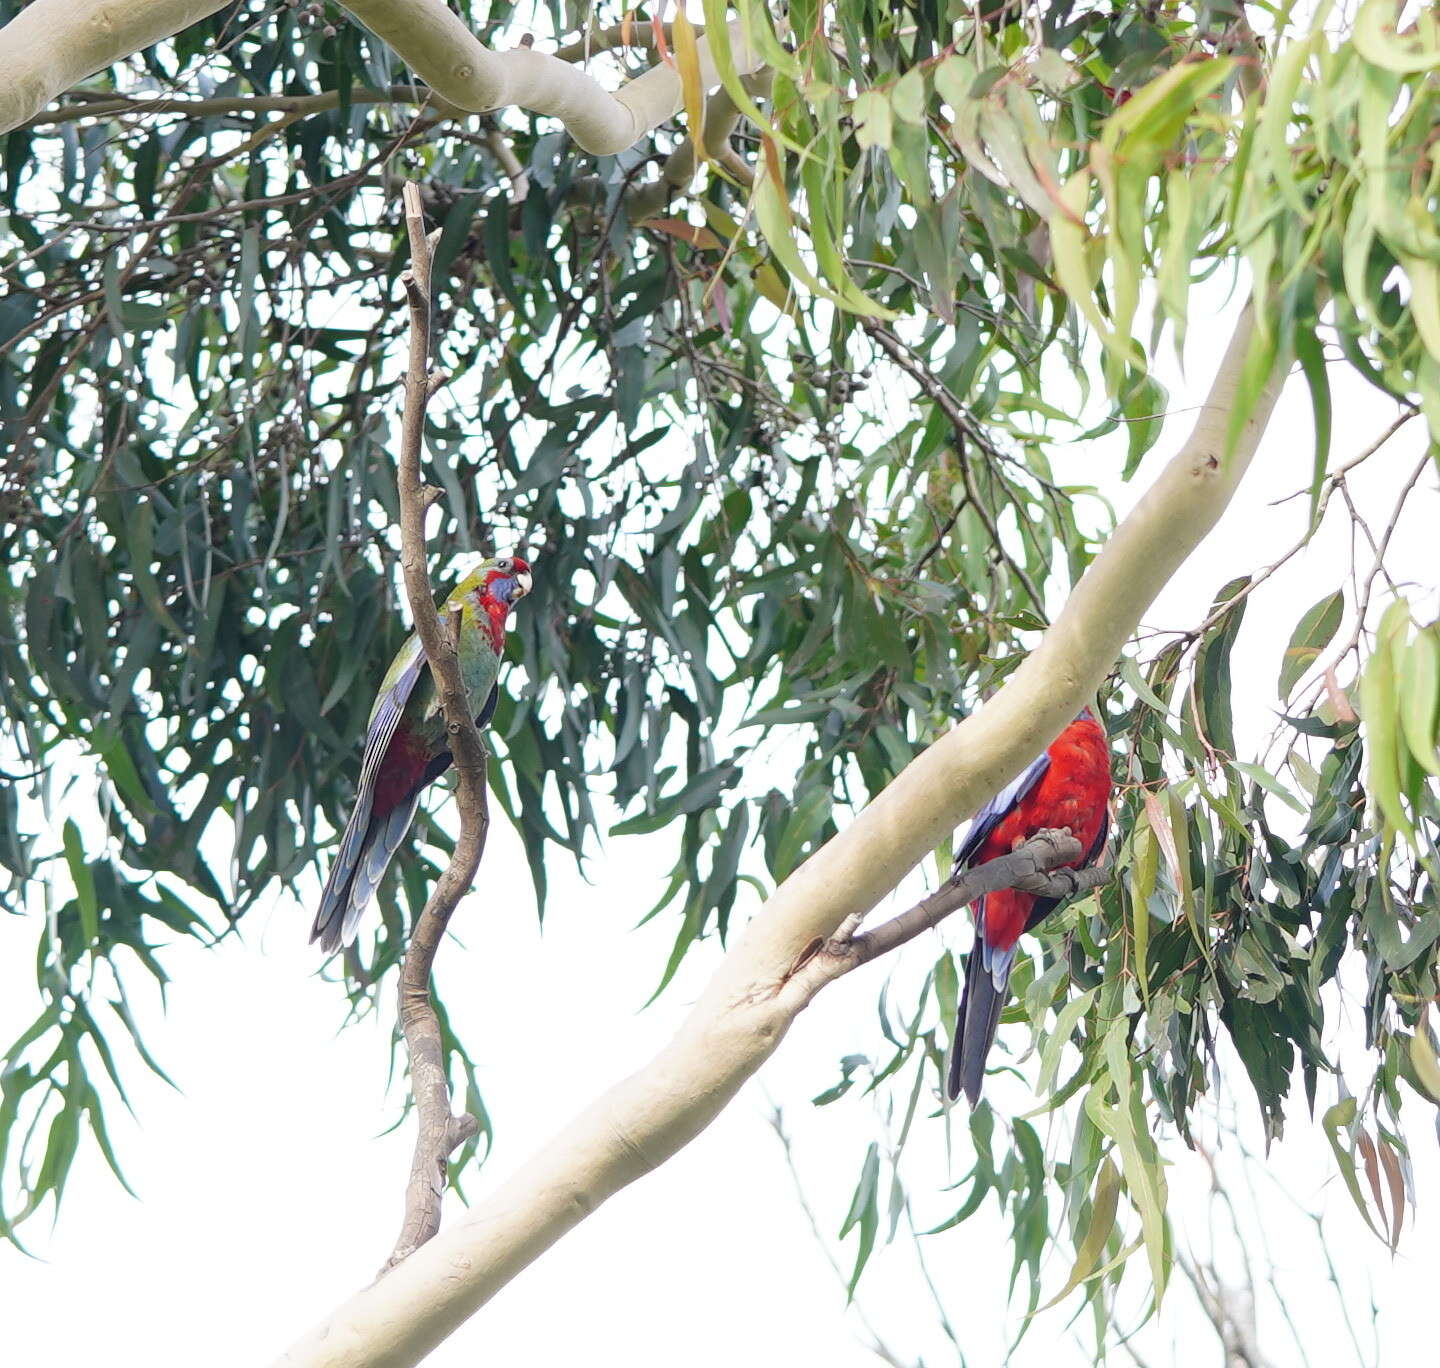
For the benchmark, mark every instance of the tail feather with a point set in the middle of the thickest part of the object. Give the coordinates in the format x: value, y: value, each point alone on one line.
x: 337, y: 884
x: 986, y: 990
x: 366, y: 849
x: 381, y: 844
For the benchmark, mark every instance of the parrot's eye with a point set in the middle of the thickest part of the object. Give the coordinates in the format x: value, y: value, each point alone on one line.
x: 505, y: 565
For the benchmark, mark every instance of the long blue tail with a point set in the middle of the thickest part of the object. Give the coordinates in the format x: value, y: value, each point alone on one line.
x: 987, y: 983
x: 366, y: 849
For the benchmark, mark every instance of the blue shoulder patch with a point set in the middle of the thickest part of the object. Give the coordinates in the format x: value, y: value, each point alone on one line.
x: 997, y: 809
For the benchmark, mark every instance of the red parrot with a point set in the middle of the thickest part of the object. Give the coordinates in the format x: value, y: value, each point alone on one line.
x: 1067, y: 786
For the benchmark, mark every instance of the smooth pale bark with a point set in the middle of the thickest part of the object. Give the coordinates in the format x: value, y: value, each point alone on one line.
x: 52, y: 45
x: 752, y: 1000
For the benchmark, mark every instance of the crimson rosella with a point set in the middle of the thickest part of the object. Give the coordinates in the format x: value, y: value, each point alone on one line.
x: 1067, y: 786
x: 405, y: 745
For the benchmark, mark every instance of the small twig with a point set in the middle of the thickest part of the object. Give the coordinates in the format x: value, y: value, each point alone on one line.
x: 877, y: 1345
x: 941, y: 533
x: 438, y: 1132
x: 98, y: 104
x: 1334, y: 481
x: 1031, y: 868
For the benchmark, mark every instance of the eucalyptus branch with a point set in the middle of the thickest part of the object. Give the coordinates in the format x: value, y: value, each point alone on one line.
x: 638, y: 34
x: 509, y: 163
x: 438, y: 1132
x: 745, y: 1011
x: 1030, y: 868
x: 52, y: 45
x: 721, y: 118
x: 106, y: 104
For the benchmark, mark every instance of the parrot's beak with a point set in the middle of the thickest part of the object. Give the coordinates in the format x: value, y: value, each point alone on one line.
x: 522, y: 585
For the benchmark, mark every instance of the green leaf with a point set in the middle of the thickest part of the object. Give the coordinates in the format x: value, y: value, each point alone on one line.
x: 1097, y: 1232
x: 1424, y: 1060
x: 871, y: 113
x: 1336, y: 1119
x: 954, y: 80
x: 1420, y: 700
x: 1139, y: 1160
x: 1066, y: 1021
x: 772, y: 212
x: 1270, y: 784
x: 1311, y: 355
x: 1142, y: 886
x: 110, y: 746
x: 865, y: 1213
x: 804, y: 822
x: 1376, y: 38
x: 1312, y: 634
x: 83, y: 878
x: 1379, y: 710
x: 907, y: 97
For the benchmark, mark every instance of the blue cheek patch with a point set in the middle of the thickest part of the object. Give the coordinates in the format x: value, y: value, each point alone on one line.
x: 502, y: 589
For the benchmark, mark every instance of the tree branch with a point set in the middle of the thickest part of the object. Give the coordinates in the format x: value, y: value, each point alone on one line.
x: 744, y: 1013
x: 438, y: 1132
x: 94, y: 104
x: 721, y: 118
x: 1031, y: 868
x: 52, y: 45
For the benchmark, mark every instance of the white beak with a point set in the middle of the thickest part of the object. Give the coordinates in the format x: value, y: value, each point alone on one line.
x: 522, y: 585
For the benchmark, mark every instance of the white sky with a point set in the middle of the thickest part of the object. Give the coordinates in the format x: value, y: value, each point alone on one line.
x: 268, y: 1193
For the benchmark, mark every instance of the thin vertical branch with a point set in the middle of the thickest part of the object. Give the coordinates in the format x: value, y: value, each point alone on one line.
x: 439, y: 1132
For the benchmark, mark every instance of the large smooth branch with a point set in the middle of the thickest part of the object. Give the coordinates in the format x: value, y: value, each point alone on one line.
x: 54, y: 44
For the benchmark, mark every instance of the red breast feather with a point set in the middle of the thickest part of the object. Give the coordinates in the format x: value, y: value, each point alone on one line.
x: 401, y: 771
x: 1073, y: 792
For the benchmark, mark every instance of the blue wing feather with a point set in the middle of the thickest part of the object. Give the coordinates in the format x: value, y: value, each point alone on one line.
x: 997, y: 809
x: 381, y: 843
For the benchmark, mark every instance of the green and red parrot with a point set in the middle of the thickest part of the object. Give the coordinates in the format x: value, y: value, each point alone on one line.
x: 1067, y: 786
x: 405, y: 746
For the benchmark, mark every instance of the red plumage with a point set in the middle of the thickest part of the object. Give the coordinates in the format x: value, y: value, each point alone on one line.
x: 1073, y: 792
x: 402, y: 770
x: 1067, y: 787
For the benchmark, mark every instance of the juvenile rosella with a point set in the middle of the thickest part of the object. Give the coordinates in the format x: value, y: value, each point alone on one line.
x: 1067, y: 786
x: 405, y: 746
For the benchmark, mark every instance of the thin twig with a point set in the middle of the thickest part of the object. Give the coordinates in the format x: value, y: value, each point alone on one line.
x: 438, y: 1131
x: 1334, y: 481
x: 104, y: 104
x: 876, y: 1345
